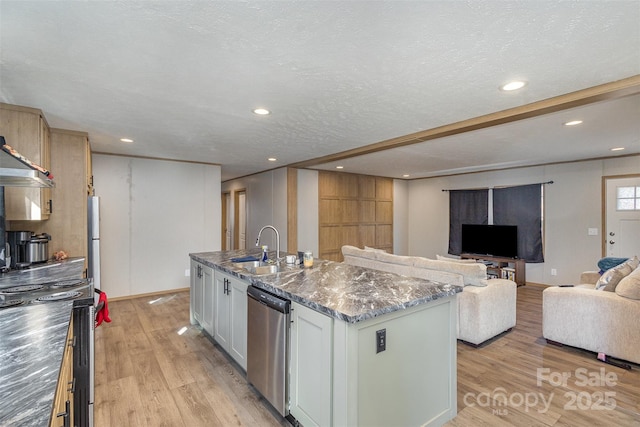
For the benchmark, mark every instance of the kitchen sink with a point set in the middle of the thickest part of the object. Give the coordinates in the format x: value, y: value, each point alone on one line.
x: 259, y: 268
x: 263, y: 269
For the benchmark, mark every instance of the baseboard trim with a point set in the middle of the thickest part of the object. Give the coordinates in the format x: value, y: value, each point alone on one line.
x: 150, y: 294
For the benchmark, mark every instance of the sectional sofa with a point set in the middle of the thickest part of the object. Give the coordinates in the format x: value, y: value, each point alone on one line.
x: 600, y: 314
x: 486, y: 307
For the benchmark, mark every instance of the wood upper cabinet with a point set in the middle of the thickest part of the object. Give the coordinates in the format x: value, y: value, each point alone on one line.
x: 26, y: 130
x: 67, y: 225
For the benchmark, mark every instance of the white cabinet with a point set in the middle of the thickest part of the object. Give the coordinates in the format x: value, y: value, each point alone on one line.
x: 208, y: 300
x: 202, y: 302
x: 230, y: 316
x: 310, y: 386
x: 339, y: 378
x: 195, y: 293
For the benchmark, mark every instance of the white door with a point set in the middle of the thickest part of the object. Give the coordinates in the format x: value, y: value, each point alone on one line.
x: 242, y: 221
x: 622, y: 235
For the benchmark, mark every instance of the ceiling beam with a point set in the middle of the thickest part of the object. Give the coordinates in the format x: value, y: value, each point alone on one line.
x: 604, y: 92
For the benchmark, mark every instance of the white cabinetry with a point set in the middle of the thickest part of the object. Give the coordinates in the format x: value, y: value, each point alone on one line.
x: 202, y: 296
x: 230, y: 316
x: 339, y: 378
x: 195, y: 293
x: 311, y: 356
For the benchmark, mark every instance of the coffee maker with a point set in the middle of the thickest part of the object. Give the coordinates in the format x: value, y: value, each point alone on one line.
x: 19, y: 248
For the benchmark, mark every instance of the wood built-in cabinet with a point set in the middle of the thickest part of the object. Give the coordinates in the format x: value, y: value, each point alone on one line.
x: 354, y: 210
x: 26, y: 130
x: 62, y: 411
x: 71, y: 166
x: 502, y: 267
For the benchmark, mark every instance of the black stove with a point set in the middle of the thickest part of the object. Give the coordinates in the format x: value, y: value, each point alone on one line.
x: 78, y: 290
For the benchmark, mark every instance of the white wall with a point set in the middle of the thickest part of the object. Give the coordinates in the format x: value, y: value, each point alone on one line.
x: 153, y: 213
x: 572, y: 205
x: 266, y: 205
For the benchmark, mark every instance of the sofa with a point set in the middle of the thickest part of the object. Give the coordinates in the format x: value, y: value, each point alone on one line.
x: 486, y: 307
x: 599, y: 314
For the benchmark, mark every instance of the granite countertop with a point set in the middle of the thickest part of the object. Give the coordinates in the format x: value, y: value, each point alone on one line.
x: 32, y: 343
x: 45, y: 272
x: 342, y: 291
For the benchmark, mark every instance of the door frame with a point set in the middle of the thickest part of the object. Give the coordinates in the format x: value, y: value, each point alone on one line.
x: 223, y: 223
x: 236, y: 215
x: 605, y: 179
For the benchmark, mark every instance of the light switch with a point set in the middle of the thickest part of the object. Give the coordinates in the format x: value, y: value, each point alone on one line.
x: 593, y: 232
x: 381, y: 340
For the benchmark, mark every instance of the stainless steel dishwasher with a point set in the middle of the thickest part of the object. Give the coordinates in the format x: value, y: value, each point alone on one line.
x: 268, y: 346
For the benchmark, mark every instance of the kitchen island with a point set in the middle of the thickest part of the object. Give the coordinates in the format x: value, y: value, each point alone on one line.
x: 32, y: 344
x: 339, y: 374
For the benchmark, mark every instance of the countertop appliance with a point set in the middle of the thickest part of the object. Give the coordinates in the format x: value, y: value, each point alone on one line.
x: 38, y: 248
x: 19, y: 248
x: 268, y: 346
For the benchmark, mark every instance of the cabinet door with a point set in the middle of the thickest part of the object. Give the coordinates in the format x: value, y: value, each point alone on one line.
x: 26, y: 131
x: 311, y: 373
x: 222, y: 310
x: 196, y: 292
x: 238, y: 335
x: 208, y: 300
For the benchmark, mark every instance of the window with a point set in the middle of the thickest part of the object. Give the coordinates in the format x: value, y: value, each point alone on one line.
x: 628, y: 198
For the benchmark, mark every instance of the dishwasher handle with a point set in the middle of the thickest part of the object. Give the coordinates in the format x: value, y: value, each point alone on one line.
x: 272, y: 301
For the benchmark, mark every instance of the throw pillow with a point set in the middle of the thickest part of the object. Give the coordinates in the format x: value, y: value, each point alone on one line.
x: 609, y: 262
x: 629, y: 287
x: 610, y: 278
x: 447, y: 258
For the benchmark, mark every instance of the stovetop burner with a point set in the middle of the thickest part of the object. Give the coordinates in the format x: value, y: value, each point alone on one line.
x: 11, y: 303
x: 59, y: 296
x: 68, y: 283
x: 21, y: 289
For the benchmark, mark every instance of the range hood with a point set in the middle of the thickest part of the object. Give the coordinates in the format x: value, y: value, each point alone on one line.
x: 15, y: 172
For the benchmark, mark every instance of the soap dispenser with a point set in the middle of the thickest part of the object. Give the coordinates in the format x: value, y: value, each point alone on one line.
x: 265, y: 255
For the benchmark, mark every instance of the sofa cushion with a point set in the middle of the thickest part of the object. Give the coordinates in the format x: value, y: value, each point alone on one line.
x: 446, y: 258
x: 367, y: 248
x: 610, y: 278
x: 629, y: 287
x: 473, y: 274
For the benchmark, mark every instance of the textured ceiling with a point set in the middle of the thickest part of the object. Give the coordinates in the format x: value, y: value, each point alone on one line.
x: 182, y: 78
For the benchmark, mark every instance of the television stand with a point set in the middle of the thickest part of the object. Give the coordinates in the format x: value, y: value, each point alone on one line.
x: 502, y: 266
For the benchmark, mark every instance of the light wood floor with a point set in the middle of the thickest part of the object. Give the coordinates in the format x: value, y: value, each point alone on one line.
x: 149, y: 375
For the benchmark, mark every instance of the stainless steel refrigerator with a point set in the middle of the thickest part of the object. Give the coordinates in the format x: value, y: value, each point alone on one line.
x: 94, y: 240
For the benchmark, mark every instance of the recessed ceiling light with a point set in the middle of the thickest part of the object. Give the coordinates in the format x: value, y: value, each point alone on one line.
x: 406, y: 175
x: 272, y: 159
x: 617, y: 149
x: 514, y: 85
x: 573, y: 123
x: 126, y: 140
x: 261, y: 111
x: 339, y: 167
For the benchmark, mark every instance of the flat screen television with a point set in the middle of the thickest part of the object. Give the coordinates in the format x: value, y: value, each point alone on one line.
x: 496, y: 240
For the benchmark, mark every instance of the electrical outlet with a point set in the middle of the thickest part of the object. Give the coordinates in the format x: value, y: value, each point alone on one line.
x: 554, y: 272
x: 187, y: 273
x: 381, y: 340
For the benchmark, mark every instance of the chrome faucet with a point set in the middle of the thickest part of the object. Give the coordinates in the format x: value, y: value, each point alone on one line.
x: 277, y: 240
